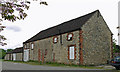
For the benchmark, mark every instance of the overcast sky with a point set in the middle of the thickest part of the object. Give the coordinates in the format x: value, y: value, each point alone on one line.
x: 41, y: 17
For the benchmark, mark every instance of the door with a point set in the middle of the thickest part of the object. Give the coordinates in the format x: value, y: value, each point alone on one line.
x: 14, y: 57
x: 11, y: 57
x: 53, y: 57
x: 26, y: 55
x: 42, y: 57
x: 39, y: 55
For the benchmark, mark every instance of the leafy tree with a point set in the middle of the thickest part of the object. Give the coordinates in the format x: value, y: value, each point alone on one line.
x: 9, y: 50
x: 116, y: 48
x: 8, y: 10
x: 114, y: 45
x: 2, y: 53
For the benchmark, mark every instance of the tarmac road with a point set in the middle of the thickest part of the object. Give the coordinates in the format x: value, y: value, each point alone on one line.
x: 20, y: 66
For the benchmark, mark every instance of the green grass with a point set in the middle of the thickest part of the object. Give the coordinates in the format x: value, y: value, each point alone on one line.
x: 57, y: 64
x: 1, y: 59
x: 72, y: 65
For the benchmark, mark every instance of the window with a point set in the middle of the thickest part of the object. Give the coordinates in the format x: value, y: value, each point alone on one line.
x: 72, y: 52
x: 55, y: 39
x: 69, y: 36
x: 25, y: 46
x: 32, y: 46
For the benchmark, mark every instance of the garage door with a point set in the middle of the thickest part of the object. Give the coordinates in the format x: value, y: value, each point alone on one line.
x: 14, y: 57
x: 26, y: 55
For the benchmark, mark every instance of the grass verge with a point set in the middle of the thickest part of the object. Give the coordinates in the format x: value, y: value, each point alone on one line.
x: 1, y: 59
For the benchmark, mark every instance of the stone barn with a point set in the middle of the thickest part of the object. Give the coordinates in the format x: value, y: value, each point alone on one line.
x: 8, y: 56
x: 18, y: 54
x: 86, y: 40
x: 15, y: 55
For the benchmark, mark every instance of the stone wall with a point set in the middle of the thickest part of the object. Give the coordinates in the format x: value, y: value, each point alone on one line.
x: 49, y: 50
x: 64, y: 48
x: 8, y: 57
x: 96, y: 41
x: 95, y: 45
x: 19, y: 56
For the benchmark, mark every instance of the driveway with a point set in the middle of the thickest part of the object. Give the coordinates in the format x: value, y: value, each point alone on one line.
x: 20, y: 66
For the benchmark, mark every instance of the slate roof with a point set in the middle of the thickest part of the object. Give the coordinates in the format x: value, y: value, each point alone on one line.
x: 9, y: 52
x: 72, y: 25
x: 17, y: 50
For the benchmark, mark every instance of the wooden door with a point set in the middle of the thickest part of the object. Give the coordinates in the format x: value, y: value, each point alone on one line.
x: 39, y: 55
x: 42, y: 57
x: 53, y: 57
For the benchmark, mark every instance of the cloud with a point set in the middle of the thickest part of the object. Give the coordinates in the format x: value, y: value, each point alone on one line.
x: 14, y: 28
x: 9, y: 46
x: 16, y: 46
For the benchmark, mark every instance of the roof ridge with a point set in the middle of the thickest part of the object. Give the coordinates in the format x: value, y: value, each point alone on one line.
x: 72, y: 19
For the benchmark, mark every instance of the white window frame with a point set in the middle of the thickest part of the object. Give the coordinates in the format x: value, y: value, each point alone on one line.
x: 70, y: 36
x: 55, y: 39
x: 32, y: 46
x: 25, y: 46
x: 72, y: 52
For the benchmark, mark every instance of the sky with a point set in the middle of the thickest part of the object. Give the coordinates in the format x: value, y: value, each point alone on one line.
x: 41, y: 17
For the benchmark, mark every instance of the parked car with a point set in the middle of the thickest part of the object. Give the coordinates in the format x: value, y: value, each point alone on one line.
x: 116, y: 62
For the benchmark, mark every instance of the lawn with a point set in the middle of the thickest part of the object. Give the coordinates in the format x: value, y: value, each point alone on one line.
x: 1, y: 59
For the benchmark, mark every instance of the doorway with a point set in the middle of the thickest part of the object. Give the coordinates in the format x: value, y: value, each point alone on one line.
x: 26, y: 55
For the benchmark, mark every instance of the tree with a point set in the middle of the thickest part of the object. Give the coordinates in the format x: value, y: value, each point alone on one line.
x: 2, y: 53
x: 116, y: 48
x: 9, y: 50
x: 9, y: 8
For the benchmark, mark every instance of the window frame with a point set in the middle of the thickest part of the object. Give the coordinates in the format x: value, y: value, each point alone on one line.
x: 32, y: 46
x: 74, y: 52
x: 25, y: 46
x: 54, y: 39
x: 68, y: 36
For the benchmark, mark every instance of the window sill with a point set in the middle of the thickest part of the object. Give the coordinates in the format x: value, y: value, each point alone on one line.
x: 69, y: 40
x: 72, y: 59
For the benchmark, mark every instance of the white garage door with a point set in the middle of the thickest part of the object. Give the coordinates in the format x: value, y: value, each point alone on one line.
x: 26, y: 55
x: 14, y: 57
